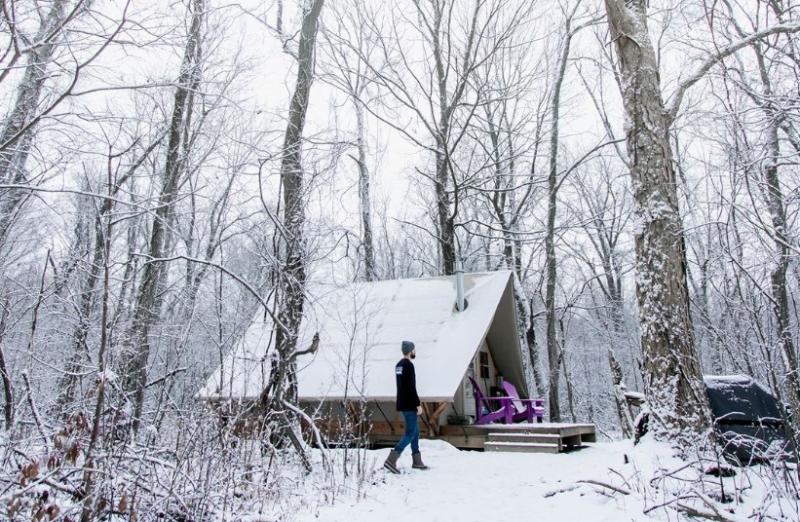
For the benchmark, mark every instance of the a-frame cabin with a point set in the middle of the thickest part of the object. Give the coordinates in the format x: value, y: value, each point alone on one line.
x: 361, y: 326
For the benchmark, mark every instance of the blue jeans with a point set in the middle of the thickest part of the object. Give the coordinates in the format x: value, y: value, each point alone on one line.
x: 411, y: 435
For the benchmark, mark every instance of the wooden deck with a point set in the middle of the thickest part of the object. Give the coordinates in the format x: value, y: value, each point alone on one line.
x: 528, y: 438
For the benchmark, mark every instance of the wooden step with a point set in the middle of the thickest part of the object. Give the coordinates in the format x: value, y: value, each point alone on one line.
x: 564, y: 430
x: 541, y: 438
x: 521, y: 447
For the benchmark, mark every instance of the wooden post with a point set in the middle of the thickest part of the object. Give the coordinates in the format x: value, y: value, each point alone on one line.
x: 426, y: 417
x: 431, y: 413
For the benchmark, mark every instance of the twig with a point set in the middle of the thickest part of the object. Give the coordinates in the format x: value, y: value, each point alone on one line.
x: 224, y: 270
x: 667, y: 474
x: 617, y: 473
x: 605, y: 485
x: 166, y: 376
x: 314, y: 429
x: 709, y: 515
x: 34, y: 411
x: 552, y: 493
x: 39, y: 299
x: 664, y: 504
x: 311, y: 349
x: 712, y: 505
x: 75, y: 493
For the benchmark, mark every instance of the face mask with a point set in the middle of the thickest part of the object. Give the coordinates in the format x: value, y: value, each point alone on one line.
x: 413, y: 356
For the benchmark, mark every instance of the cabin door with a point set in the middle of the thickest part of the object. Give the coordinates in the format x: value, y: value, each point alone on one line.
x: 481, y: 369
x: 467, y: 393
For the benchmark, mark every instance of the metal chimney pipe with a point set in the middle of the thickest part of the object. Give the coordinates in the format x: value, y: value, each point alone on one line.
x: 460, y: 304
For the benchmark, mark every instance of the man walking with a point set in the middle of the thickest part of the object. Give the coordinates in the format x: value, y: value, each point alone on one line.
x: 408, y: 404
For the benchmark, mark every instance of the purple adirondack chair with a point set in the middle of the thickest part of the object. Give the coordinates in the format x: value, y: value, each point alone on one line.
x: 505, y: 414
x: 524, y: 409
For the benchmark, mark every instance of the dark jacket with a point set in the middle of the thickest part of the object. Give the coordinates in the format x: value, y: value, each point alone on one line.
x: 407, y: 398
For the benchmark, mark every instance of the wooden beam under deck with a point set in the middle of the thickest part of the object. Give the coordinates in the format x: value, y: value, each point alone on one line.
x: 461, y: 442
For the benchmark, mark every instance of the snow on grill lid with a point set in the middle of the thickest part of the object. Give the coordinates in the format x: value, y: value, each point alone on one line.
x: 713, y: 381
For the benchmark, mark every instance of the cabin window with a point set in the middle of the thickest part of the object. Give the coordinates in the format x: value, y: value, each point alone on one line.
x: 483, y: 365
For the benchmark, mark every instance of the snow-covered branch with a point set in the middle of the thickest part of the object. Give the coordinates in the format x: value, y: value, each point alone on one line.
x: 674, y: 104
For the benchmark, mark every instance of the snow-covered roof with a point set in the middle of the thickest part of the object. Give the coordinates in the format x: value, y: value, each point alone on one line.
x: 361, y: 327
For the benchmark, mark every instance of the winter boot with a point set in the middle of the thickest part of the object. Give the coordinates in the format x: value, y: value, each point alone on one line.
x: 391, y: 462
x: 418, y: 464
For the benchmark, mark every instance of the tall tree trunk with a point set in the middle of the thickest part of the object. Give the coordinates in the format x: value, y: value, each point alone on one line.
x: 89, y: 477
x: 553, y: 351
x: 5, y: 373
x: 17, y: 134
x: 618, y: 382
x: 292, y: 279
x: 780, y: 294
x: 446, y: 223
x: 133, y: 364
x: 673, y: 380
x: 527, y: 340
x: 69, y: 381
x: 364, y: 199
x: 533, y: 352
x: 444, y: 213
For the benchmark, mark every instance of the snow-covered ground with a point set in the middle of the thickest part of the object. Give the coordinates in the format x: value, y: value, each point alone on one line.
x: 476, y: 486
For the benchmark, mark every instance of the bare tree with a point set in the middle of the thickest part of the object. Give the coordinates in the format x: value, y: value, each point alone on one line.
x: 440, y: 92
x: 290, y: 296
x: 554, y: 352
x: 604, y: 214
x: 507, y: 135
x: 673, y: 381
x: 17, y: 134
x: 80, y: 347
x: 31, y: 103
x: 353, y: 76
x: 763, y: 91
x: 673, y: 377
x: 134, y: 358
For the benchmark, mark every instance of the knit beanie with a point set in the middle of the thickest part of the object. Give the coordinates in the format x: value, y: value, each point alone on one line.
x: 407, y: 347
